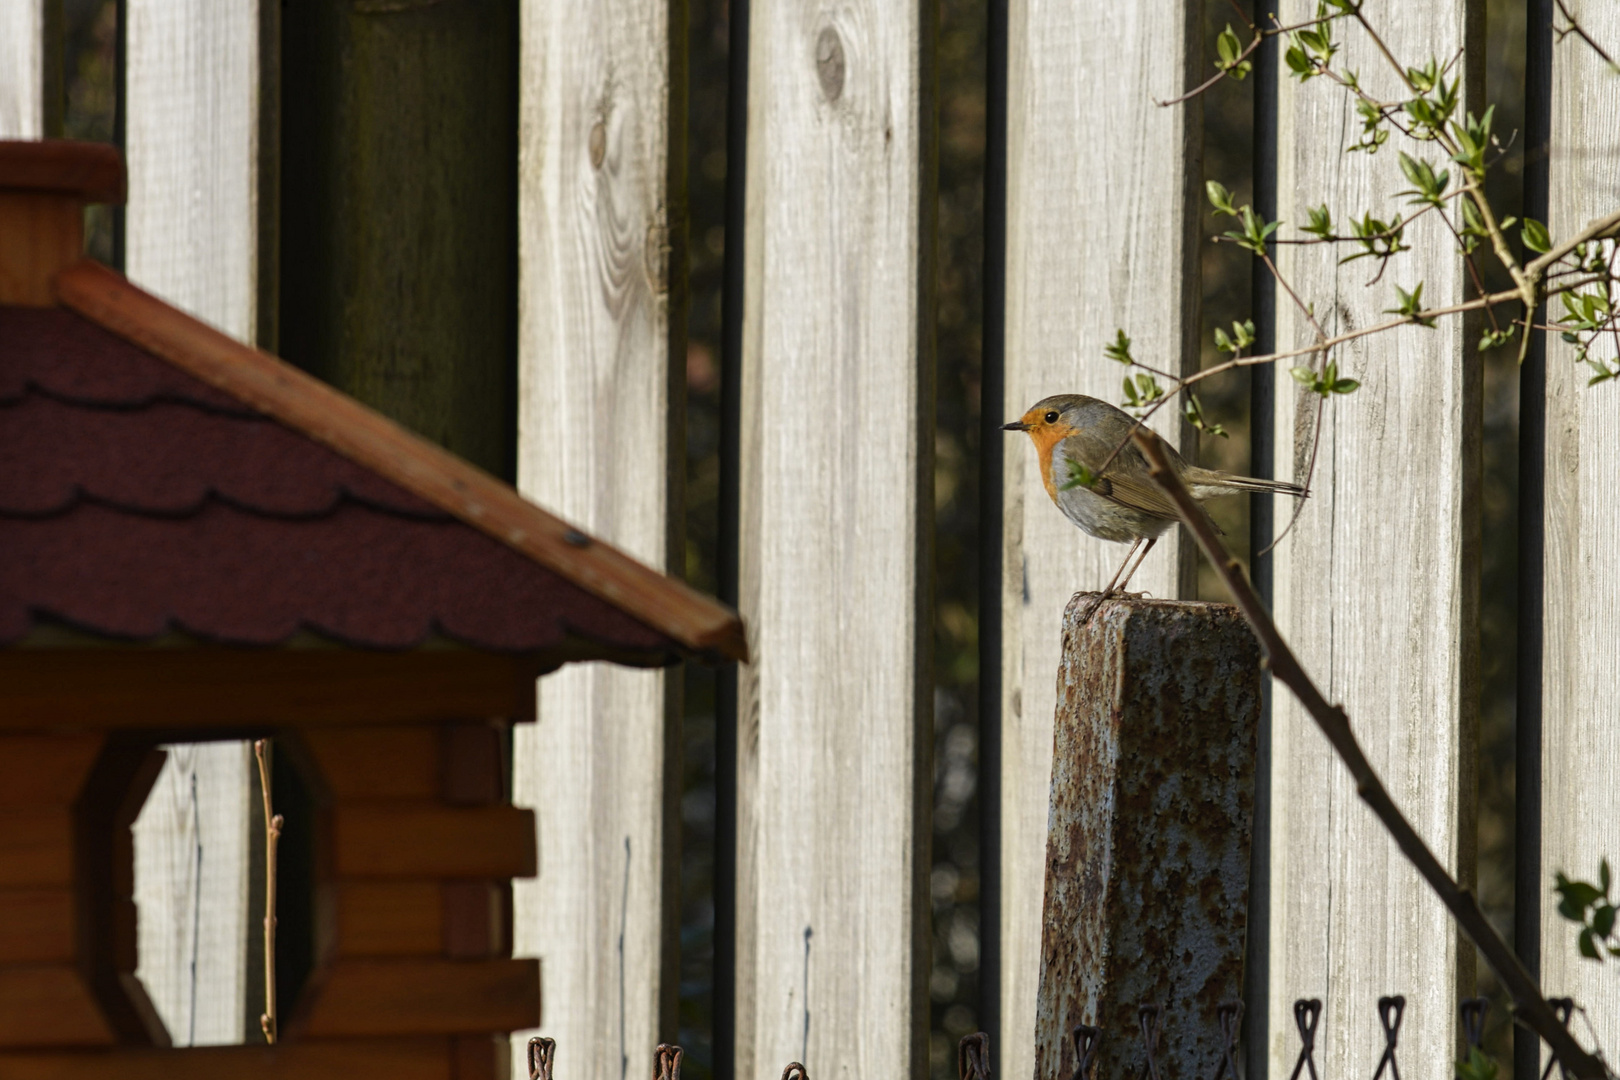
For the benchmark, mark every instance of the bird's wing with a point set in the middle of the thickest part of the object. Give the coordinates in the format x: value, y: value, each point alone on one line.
x: 1126, y: 480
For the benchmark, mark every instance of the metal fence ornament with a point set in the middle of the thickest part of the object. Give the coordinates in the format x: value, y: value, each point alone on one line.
x: 973, y: 1057
x: 1390, y: 1011
x: 1230, y: 1016
x: 667, y: 1062
x: 795, y: 1071
x: 1473, y: 1011
x: 1085, y: 1039
x: 1563, y: 1008
x: 1307, y: 1014
x: 1150, y: 1020
x: 541, y: 1051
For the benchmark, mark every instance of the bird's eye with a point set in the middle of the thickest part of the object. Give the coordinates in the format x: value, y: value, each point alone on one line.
x: 1051, y: 417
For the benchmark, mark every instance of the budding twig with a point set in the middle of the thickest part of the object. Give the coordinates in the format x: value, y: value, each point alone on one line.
x: 272, y: 838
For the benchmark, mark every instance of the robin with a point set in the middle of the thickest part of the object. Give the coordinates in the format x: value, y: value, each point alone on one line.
x: 1121, y: 504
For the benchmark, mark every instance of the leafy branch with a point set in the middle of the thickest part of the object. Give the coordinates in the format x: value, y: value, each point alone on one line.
x: 1580, y: 270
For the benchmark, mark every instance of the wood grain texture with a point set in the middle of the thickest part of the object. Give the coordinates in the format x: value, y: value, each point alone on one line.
x: 427, y: 840
x: 36, y: 926
x: 45, y: 770
x: 398, y: 211
x: 30, y: 69
x: 191, y: 892
x: 1147, y: 865
x: 416, y: 1058
x: 175, y: 689
x: 1102, y: 228
x: 602, y: 362
x: 91, y: 171
x: 1376, y: 589
x: 195, y: 235
x: 377, y: 763
x: 40, y: 234
x: 389, y: 918
x: 433, y: 997
x: 36, y: 847
x: 193, y: 228
x: 836, y: 504
x: 305, y: 404
x: 1580, y: 756
x: 49, y: 1006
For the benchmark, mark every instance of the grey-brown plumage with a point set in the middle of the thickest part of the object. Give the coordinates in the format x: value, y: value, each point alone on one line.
x: 1122, y: 503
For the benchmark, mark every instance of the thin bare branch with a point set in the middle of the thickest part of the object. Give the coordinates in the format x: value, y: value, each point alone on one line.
x: 1579, y: 31
x: 272, y: 839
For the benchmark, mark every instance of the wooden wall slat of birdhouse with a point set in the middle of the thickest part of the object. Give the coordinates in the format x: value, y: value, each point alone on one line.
x: 1376, y: 587
x: 835, y: 714
x: 49, y: 1006
x: 1102, y: 233
x: 408, y: 1058
x: 30, y: 69
x: 422, y: 996
x: 602, y: 355
x: 1580, y: 665
x: 200, y: 147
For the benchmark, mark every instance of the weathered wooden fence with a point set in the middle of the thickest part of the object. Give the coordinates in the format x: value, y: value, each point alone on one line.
x: 1377, y: 587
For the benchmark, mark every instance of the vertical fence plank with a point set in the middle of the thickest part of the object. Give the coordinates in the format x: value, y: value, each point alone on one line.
x: 602, y: 351
x: 196, y: 234
x: 836, y: 510
x: 30, y: 68
x: 1580, y: 756
x: 1376, y: 588
x: 1102, y: 189
x: 191, y: 893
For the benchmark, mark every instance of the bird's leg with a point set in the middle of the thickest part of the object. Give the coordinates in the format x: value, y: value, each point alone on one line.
x: 1151, y: 541
x: 1109, y: 591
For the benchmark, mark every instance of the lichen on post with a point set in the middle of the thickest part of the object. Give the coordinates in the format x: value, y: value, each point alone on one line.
x: 1147, y: 857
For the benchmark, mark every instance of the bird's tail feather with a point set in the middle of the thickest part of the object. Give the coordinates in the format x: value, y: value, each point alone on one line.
x: 1219, y: 482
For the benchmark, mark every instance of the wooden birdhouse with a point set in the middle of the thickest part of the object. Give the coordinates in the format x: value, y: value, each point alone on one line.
x: 198, y: 541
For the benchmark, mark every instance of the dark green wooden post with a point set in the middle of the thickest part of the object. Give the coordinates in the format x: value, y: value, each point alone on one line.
x: 399, y: 211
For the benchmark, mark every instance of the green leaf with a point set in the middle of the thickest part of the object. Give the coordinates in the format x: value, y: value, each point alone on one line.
x: 1120, y: 349
x: 1477, y: 1066
x: 1345, y: 386
x: 1534, y: 235
x: 1298, y: 64
x: 1222, y: 342
x: 1303, y: 375
x: 1079, y: 476
x: 1219, y: 197
x: 1321, y: 222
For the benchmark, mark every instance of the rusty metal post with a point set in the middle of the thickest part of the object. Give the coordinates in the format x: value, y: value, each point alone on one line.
x: 1147, y: 856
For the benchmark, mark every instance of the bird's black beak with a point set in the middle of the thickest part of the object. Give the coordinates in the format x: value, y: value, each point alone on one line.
x: 1016, y: 425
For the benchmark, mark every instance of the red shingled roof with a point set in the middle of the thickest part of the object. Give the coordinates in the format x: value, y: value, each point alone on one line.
x: 157, y: 477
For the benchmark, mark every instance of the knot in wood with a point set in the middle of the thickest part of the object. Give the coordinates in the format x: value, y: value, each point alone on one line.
x: 598, y: 144
x: 830, y: 63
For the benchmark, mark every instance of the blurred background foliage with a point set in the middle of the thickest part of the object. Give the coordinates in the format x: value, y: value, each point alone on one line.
x: 91, y: 69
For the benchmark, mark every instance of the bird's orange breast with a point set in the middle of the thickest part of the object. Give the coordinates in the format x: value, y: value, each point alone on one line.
x: 1046, y: 437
